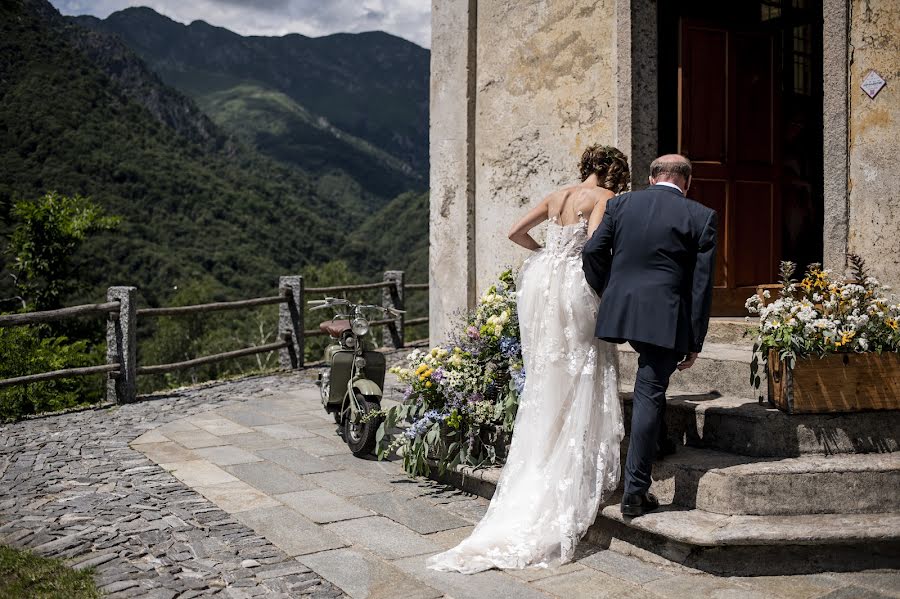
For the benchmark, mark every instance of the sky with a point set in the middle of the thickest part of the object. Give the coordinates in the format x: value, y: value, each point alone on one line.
x: 410, y: 19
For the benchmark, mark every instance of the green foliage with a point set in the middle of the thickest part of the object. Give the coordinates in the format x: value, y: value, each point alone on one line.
x: 24, y: 574
x: 47, y: 233
x: 31, y: 350
x: 180, y: 338
x: 187, y: 209
x: 282, y: 129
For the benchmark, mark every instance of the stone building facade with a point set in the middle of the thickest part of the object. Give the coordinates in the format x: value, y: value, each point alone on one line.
x: 764, y: 96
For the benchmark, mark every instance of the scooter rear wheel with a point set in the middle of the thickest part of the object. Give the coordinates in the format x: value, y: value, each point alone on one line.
x: 360, y: 437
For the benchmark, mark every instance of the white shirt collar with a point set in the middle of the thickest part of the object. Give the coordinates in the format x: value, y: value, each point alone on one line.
x: 669, y: 185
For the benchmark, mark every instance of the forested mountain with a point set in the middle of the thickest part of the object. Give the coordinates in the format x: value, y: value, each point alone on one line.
x: 81, y: 113
x: 193, y: 204
x: 352, y: 103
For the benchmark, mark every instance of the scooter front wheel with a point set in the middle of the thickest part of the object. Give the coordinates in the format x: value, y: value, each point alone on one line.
x: 360, y: 436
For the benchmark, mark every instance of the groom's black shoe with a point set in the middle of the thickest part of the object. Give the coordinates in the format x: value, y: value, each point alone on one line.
x: 638, y: 505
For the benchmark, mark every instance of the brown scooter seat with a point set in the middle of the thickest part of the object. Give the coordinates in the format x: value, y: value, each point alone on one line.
x: 334, y: 327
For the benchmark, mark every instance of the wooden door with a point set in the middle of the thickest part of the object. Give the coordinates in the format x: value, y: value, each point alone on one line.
x: 728, y: 110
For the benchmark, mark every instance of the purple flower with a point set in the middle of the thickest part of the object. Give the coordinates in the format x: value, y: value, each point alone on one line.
x: 438, y: 375
x: 473, y: 333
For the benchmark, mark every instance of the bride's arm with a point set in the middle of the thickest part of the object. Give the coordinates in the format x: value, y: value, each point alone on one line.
x: 519, y: 233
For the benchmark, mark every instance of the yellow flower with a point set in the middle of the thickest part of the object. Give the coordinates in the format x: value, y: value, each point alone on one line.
x: 428, y: 384
x: 892, y: 322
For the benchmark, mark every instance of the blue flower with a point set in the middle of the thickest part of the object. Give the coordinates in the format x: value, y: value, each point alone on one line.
x: 518, y: 377
x: 510, y: 347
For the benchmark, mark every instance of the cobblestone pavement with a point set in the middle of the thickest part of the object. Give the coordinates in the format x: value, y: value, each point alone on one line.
x: 71, y: 487
x: 245, y: 488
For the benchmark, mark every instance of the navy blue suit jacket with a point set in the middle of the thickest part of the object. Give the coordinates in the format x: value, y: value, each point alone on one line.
x: 652, y: 261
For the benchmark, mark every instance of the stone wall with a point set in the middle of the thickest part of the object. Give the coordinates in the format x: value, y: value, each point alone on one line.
x: 874, y: 131
x: 545, y: 89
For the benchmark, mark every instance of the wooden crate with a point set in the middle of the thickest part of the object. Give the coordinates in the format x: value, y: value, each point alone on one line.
x: 836, y: 383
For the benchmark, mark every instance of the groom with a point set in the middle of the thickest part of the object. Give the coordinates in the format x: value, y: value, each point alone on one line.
x: 652, y: 261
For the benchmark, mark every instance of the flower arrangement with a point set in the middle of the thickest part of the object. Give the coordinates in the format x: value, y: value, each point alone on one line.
x: 461, y: 394
x: 820, y: 315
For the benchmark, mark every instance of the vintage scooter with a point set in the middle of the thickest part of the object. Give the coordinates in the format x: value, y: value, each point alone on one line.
x: 351, y: 385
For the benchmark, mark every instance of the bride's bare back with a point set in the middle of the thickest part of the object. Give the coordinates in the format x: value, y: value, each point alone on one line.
x: 565, y: 206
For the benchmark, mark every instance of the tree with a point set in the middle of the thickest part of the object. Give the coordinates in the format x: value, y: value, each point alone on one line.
x: 46, y: 236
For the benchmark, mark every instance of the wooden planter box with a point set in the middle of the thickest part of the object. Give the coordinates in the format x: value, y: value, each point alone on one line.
x: 836, y: 383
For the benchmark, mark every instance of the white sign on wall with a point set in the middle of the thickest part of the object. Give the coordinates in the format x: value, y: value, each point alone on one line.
x: 872, y: 84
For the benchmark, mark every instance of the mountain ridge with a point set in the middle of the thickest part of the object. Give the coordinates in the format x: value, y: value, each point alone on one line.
x: 372, y: 85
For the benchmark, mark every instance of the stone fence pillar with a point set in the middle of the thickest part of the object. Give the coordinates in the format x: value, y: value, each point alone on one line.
x: 392, y: 297
x: 290, y: 321
x: 121, y: 345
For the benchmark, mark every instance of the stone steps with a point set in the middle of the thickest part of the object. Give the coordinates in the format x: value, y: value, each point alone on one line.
x: 746, y: 427
x: 728, y: 484
x: 742, y: 544
x: 727, y: 329
x: 752, y: 545
x: 722, y: 368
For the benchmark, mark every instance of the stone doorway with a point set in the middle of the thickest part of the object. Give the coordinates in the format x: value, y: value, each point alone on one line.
x: 740, y: 93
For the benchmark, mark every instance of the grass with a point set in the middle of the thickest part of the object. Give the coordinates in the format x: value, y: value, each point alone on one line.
x: 24, y: 574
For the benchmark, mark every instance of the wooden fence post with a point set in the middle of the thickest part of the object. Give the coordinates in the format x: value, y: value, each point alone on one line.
x: 121, y: 346
x: 392, y: 297
x: 290, y: 321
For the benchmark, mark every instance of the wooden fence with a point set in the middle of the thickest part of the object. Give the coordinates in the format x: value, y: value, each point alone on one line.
x: 122, y: 314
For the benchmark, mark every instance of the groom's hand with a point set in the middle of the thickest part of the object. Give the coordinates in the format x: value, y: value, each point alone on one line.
x: 688, y: 361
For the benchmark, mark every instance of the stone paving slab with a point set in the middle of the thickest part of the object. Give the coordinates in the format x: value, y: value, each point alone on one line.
x: 237, y: 497
x: 490, y: 584
x: 412, y: 512
x: 348, y: 484
x: 270, y: 478
x: 226, y: 455
x: 289, y: 530
x: 364, y: 576
x: 383, y: 537
x: 322, y: 506
x: 295, y: 460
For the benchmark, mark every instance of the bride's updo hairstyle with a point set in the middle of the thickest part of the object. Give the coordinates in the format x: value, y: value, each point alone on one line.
x: 610, y: 164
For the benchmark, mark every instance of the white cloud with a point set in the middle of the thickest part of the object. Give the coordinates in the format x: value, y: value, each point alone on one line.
x: 410, y: 19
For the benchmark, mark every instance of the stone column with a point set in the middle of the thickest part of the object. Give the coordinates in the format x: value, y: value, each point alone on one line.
x: 637, y: 95
x: 290, y: 321
x: 834, y: 136
x: 121, y: 345
x: 452, y: 135
x: 393, y: 297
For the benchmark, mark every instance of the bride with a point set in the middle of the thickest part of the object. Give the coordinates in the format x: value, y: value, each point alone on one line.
x: 564, y: 456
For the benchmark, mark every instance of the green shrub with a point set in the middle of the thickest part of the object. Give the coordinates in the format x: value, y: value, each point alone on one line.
x: 24, y: 350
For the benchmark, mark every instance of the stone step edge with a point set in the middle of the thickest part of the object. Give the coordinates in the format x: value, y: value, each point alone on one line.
x: 721, y: 530
x: 716, y: 352
x: 704, y: 529
x: 729, y: 464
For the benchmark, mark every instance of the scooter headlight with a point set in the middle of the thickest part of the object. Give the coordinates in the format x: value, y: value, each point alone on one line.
x: 360, y: 326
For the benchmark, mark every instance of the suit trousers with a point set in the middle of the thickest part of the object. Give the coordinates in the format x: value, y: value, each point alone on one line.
x: 655, y: 366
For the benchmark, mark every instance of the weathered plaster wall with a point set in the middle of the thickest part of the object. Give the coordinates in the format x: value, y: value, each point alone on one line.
x: 546, y: 81
x: 874, y: 131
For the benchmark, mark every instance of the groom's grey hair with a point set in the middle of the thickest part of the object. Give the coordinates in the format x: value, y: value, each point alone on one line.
x: 671, y: 165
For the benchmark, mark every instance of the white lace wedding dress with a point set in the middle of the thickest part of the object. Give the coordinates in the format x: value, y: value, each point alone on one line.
x: 564, y: 456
